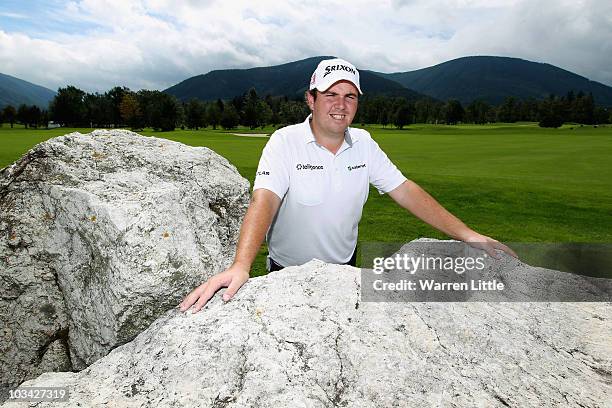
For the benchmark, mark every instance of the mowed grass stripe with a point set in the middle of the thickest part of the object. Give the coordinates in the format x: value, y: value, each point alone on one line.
x: 515, y: 182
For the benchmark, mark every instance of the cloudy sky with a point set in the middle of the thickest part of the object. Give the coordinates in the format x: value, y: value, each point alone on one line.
x: 153, y: 44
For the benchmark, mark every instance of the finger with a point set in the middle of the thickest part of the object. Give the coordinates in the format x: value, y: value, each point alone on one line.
x: 192, y: 297
x: 480, y: 246
x: 188, y: 300
x: 491, y: 250
x: 184, y: 305
x: 233, y: 287
x: 507, y: 249
x: 209, y: 291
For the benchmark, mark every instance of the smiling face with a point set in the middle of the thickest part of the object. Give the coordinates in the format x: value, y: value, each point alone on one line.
x: 334, y: 109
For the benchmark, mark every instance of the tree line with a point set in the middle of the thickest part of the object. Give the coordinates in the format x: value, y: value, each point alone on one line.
x: 28, y: 115
x: 121, y: 107
x: 549, y: 112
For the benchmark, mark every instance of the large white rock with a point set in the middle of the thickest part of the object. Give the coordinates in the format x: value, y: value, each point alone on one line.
x: 301, y: 337
x: 100, y: 234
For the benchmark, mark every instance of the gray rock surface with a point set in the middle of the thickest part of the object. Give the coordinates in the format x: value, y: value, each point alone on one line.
x: 521, y: 282
x: 301, y: 337
x: 100, y: 234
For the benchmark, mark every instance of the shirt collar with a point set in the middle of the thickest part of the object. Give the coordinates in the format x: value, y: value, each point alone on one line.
x: 349, y: 137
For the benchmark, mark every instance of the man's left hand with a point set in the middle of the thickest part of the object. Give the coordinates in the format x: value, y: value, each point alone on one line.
x: 488, y: 244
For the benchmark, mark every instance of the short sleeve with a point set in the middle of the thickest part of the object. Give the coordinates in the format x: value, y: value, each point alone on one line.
x: 272, y: 171
x: 384, y: 175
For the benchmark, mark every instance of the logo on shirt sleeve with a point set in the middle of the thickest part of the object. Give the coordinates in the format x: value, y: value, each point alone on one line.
x: 263, y: 173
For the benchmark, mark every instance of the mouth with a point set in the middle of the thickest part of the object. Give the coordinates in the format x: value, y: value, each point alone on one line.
x: 337, y: 116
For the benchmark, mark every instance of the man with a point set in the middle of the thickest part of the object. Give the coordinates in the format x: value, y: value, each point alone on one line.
x: 312, y: 182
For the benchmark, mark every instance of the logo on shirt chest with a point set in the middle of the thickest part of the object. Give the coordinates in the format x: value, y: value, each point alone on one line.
x: 308, y: 166
x: 359, y: 166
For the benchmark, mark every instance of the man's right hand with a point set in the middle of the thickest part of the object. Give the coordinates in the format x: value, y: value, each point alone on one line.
x: 257, y: 220
x: 232, y: 278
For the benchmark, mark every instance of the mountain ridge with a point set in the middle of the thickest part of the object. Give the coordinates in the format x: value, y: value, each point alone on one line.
x: 16, y: 91
x: 289, y: 79
x: 493, y: 78
x: 488, y: 78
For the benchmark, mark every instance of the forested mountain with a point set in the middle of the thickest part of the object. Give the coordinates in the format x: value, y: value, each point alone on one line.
x: 492, y: 79
x: 15, y: 91
x: 289, y: 79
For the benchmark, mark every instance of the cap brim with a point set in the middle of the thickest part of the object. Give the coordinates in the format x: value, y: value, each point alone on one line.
x: 325, y: 85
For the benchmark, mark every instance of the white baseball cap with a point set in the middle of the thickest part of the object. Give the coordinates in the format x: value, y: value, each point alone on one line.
x: 330, y: 71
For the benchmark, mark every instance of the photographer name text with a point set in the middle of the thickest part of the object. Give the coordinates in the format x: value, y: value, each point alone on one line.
x: 431, y: 285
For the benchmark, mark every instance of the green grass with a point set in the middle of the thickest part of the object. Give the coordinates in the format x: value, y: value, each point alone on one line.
x: 515, y: 182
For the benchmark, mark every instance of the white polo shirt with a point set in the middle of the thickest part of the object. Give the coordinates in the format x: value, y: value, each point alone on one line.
x: 322, y: 194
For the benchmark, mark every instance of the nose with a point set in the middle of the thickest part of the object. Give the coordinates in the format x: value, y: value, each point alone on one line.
x: 340, y: 102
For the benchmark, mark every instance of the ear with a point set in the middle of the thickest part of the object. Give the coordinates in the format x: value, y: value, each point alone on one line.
x: 310, y: 101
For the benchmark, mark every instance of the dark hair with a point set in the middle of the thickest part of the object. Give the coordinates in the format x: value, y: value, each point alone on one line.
x: 312, y: 92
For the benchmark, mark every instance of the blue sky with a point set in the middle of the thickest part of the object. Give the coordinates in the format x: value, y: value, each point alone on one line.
x: 38, y: 19
x: 97, y: 44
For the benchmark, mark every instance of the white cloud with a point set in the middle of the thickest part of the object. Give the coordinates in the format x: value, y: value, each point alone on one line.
x: 157, y: 43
